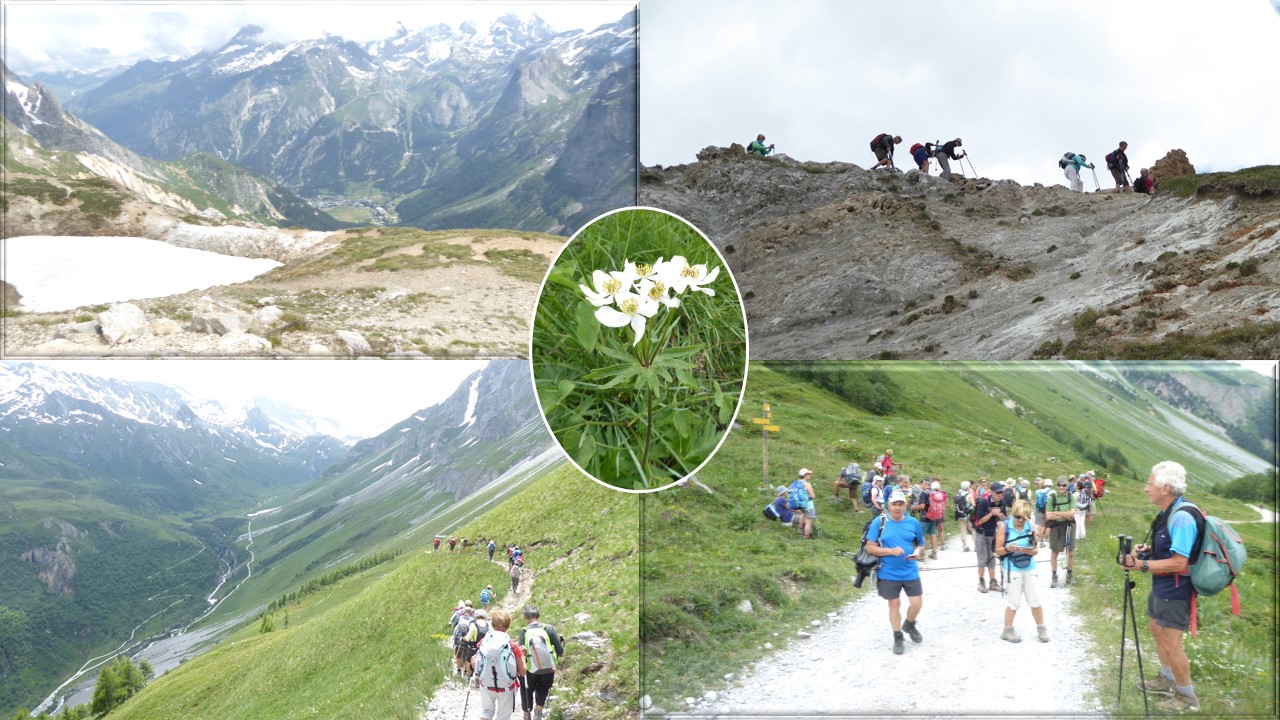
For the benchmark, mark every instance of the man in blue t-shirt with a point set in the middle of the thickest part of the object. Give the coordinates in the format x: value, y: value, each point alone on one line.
x: 1173, y: 536
x: 897, y: 542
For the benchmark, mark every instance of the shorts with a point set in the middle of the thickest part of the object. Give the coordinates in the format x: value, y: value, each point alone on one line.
x: 1061, y: 538
x: 1020, y: 584
x: 1121, y: 180
x: 929, y: 527
x: 985, y: 545
x: 921, y: 157
x: 1170, y: 613
x: 881, y: 154
x: 1038, y: 519
x: 892, y: 589
x: 810, y: 511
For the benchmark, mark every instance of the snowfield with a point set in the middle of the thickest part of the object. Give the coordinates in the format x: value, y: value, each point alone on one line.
x: 61, y: 273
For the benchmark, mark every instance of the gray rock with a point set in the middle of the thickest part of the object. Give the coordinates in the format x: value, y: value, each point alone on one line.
x: 123, y: 322
x: 217, y: 318
x: 239, y: 343
x: 803, y: 634
x: 646, y: 702
x: 745, y: 607
x: 71, y: 331
x: 355, y: 342
x: 815, y: 623
x: 267, y: 317
x: 165, y: 326
x: 317, y: 349
x: 581, y: 617
x: 711, y: 696
x: 729, y: 677
x: 264, y: 302
x: 768, y: 646
x: 11, y: 295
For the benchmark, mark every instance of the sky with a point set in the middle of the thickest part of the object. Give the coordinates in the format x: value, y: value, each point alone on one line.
x: 1020, y: 83
x: 364, y: 397
x: 97, y: 34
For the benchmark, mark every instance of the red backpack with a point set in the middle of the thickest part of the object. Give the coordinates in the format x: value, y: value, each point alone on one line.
x: 1099, y: 485
x: 915, y: 147
x: 937, y: 506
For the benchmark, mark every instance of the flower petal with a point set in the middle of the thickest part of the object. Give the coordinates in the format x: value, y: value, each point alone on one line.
x: 612, y: 318
x: 637, y: 324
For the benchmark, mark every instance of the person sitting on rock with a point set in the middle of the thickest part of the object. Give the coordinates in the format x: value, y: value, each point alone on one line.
x: 1144, y: 183
x: 757, y: 147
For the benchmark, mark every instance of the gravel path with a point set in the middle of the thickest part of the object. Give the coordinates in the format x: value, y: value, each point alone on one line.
x: 961, y: 668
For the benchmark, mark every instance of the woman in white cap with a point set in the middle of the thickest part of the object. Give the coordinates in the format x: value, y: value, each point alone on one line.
x: 802, y: 502
x: 964, y: 513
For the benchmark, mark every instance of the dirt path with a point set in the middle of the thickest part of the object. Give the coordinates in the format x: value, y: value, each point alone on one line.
x: 962, y: 667
x: 451, y: 697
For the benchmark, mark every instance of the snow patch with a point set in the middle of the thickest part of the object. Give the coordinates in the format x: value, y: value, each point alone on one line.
x: 473, y: 396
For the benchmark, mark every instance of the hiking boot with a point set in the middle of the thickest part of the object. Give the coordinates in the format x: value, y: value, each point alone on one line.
x: 994, y: 586
x: 1054, y: 582
x: 1157, y: 685
x: 933, y: 554
x: 1069, y: 579
x: 527, y: 715
x: 909, y: 627
x: 537, y: 714
x: 1043, y: 633
x: 1179, y: 703
x: 1011, y: 635
x: 966, y: 548
x: 899, y: 646
x: 982, y: 585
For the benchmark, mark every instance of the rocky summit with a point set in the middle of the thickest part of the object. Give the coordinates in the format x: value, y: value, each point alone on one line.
x: 835, y: 261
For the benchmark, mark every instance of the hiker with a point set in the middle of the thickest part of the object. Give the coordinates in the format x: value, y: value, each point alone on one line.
x: 543, y: 649
x: 980, y: 490
x: 511, y: 554
x: 1071, y: 165
x: 476, y: 632
x: 866, y: 484
x: 452, y: 543
x: 486, y: 597
x: 517, y: 571
x: 850, y: 477
x: 882, y: 146
x: 877, y: 496
x: 778, y: 510
x: 757, y: 147
x: 989, y: 511
x: 964, y: 514
x: 1118, y: 164
x: 1084, y: 501
x: 461, y: 653
x: 499, y: 668
x: 897, y: 542
x: 1173, y: 536
x: 885, y: 462
x: 437, y: 544
x: 944, y: 151
x: 1059, y: 515
x: 493, y: 546
x: 921, y: 154
x: 1042, y: 500
x: 1145, y: 183
x: 1016, y: 545
x: 1024, y: 489
x: 935, y: 510
x: 800, y: 500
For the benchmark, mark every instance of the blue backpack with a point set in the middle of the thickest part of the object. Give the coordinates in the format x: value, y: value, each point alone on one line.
x: 1042, y: 499
x: 866, y: 491
x: 485, y: 595
x: 798, y: 497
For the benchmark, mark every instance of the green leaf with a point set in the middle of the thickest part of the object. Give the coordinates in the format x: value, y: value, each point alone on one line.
x: 588, y: 327
x: 566, y: 389
x: 586, y: 450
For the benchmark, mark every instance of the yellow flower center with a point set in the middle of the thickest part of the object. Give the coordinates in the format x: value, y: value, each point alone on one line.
x: 612, y: 285
x: 644, y: 270
x: 630, y: 306
x: 657, y: 291
x: 689, y: 271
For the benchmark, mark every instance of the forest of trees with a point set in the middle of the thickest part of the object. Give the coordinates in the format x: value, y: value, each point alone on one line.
x: 117, y: 682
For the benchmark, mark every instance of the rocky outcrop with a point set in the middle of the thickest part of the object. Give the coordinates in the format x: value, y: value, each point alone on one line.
x: 835, y: 261
x: 1173, y: 164
x: 55, y: 568
x: 214, y: 317
x: 123, y: 322
x: 11, y: 295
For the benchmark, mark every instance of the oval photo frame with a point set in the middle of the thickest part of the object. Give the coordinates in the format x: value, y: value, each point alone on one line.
x: 638, y: 349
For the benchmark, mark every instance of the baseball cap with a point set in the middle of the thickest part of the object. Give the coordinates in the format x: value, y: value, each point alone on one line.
x: 879, y: 466
x: 935, y: 486
x: 897, y: 496
x: 997, y: 486
x: 805, y: 471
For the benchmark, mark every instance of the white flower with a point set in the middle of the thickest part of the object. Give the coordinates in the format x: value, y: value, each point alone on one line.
x: 610, y: 287
x: 658, y: 290
x: 680, y: 275
x: 633, y: 309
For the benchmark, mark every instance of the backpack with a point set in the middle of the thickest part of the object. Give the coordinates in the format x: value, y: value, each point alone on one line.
x: 1042, y: 499
x: 770, y: 512
x: 1024, y: 494
x: 964, y: 506
x: 866, y: 492
x: 798, y: 497
x: 915, y: 147
x: 482, y: 629
x: 540, y: 654
x: 495, y: 662
x: 1066, y: 160
x: 1217, y: 556
x: 937, y: 506
x: 460, y: 630
x: 485, y: 595
x: 1099, y: 487
x: 1020, y: 561
x: 518, y: 561
x: 1111, y: 163
x: 875, y: 142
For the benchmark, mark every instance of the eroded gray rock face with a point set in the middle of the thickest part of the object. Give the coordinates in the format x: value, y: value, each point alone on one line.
x: 837, y: 262
x: 11, y: 296
x: 217, y: 318
x: 123, y: 322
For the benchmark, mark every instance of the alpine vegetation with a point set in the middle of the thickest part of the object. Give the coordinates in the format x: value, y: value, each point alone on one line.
x: 644, y: 395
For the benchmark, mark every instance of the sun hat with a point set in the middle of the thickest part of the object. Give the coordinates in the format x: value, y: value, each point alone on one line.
x: 935, y: 486
x: 897, y: 496
x: 782, y: 489
x: 805, y: 471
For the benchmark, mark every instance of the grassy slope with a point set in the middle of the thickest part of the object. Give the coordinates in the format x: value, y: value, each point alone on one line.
x: 370, y: 646
x: 691, y: 632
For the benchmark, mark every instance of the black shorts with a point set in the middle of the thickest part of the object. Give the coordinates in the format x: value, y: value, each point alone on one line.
x: 892, y: 589
x: 1170, y: 613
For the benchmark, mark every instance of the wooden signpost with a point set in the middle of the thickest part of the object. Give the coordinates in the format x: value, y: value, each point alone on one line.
x: 767, y: 427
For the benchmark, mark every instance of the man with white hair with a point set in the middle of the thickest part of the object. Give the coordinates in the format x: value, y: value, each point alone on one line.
x: 897, y: 540
x: 1173, y: 535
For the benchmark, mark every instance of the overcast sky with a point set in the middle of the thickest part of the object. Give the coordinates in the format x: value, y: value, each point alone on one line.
x: 1020, y: 82
x: 364, y: 397
x: 94, y: 35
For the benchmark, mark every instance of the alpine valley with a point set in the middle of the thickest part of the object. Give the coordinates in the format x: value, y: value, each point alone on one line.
x: 309, y: 152
x: 135, y: 518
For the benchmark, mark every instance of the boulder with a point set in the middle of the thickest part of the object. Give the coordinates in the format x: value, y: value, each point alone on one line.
x: 267, y: 317
x: 73, y: 331
x: 240, y: 343
x: 355, y: 342
x: 165, y: 326
x: 1173, y: 164
x: 123, y: 322
x: 11, y: 295
x: 217, y: 318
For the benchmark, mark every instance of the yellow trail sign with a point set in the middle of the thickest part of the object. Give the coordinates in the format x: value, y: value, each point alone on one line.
x: 772, y: 428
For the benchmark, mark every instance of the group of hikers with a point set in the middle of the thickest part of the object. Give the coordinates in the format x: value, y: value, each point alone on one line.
x: 1008, y: 523
x: 500, y: 666
x: 515, y: 556
x: 883, y: 145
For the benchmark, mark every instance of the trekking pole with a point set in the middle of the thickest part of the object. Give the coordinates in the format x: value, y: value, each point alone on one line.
x: 975, y: 172
x: 465, y: 698
x: 1096, y: 185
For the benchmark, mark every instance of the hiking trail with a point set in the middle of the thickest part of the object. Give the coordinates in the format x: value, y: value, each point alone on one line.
x: 847, y: 665
x: 448, y: 701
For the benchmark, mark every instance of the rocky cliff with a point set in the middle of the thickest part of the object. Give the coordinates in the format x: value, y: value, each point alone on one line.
x: 835, y: 261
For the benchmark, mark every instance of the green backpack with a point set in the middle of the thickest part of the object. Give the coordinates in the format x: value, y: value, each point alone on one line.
x: 1217, y: 557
